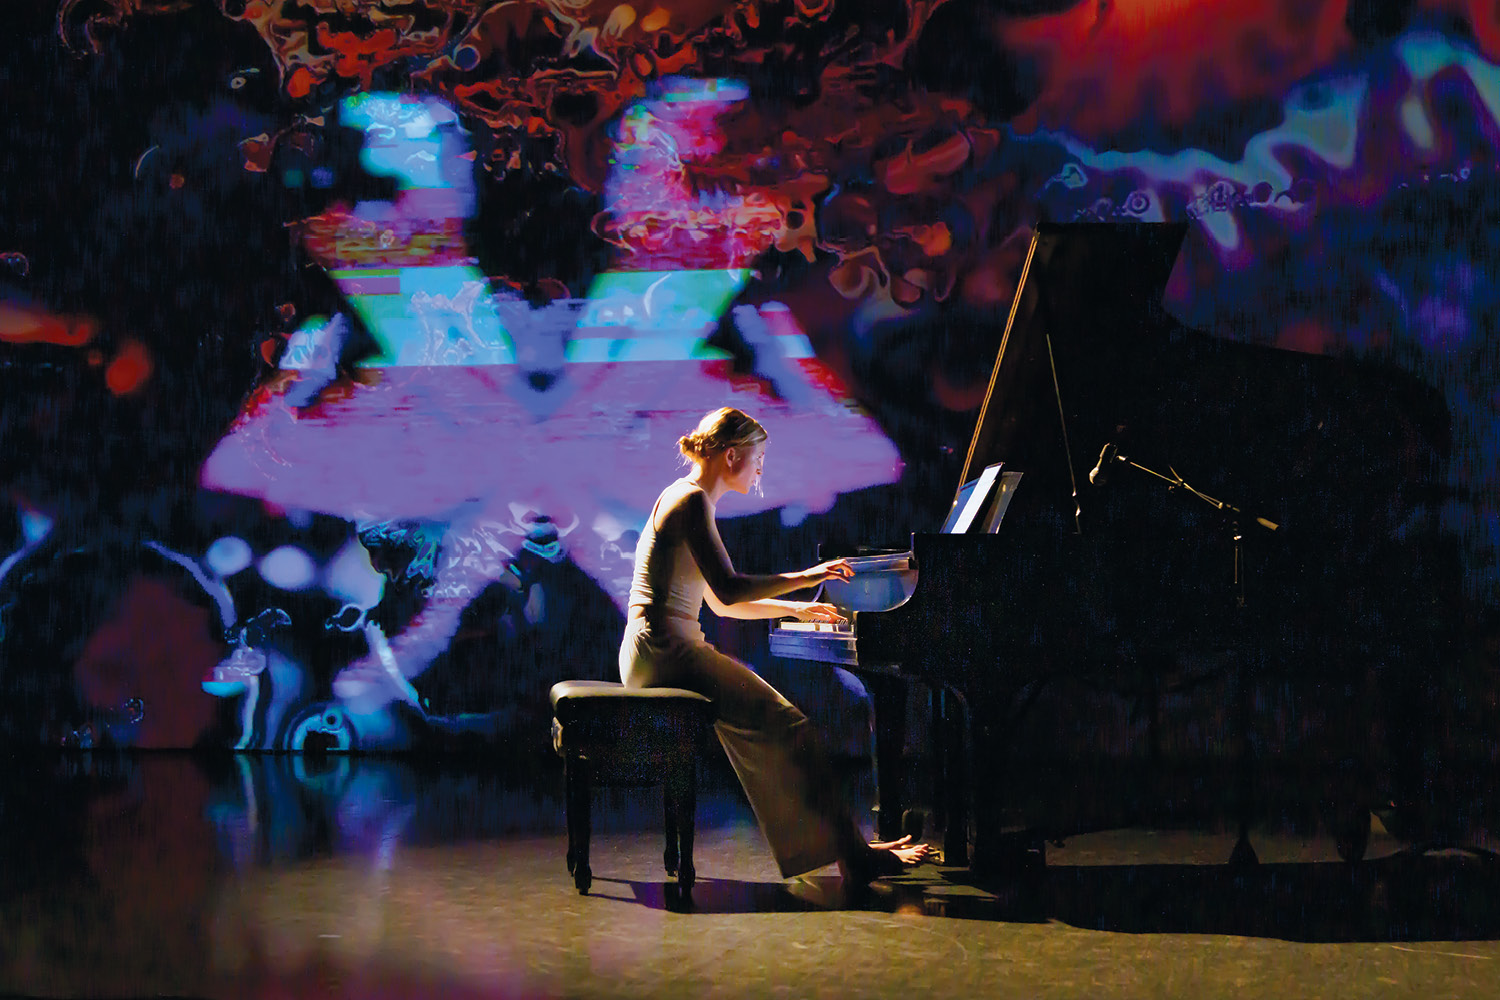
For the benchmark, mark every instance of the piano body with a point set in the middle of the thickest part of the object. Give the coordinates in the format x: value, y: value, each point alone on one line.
x: 1252, y: 516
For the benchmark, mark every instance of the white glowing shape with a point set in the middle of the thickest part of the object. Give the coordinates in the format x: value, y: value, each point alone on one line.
x: 35, y: 526
x: 1222, y: 227
x: 1414, y: 119
x: 289, y: 568
x: 1427, y: 53
x: 351, y: 576
x: 228, y: 555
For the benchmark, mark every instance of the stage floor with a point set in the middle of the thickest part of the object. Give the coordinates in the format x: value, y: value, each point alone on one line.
x: 285, y: 877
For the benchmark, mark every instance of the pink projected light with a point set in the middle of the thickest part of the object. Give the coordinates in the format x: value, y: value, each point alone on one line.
x: 487, y: 415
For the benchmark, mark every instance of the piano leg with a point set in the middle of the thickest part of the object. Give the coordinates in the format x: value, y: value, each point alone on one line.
x: 941, y: 741
x: 889, y: 697
x: 953, y: 775
x: 1000, y: 849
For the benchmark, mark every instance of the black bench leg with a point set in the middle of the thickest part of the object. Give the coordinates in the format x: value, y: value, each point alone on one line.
x: 670, y: 857
x: 578, y: 794
x: 568, y: 814
x: 682, y: 799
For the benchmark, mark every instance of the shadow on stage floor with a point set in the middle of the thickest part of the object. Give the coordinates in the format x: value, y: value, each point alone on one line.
x: 1404, y: 897
x: 99, y: 835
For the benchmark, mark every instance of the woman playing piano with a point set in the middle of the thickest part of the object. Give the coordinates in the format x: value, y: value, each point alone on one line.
x: 679, y: 563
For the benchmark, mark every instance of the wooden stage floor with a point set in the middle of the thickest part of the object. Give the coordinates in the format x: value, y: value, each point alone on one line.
x: 273, y: 877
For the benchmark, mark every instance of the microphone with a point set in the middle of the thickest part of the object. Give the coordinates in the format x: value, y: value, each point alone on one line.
x: 1108, y: 455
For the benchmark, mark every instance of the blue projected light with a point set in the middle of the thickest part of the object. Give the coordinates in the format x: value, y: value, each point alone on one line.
x: 443, y: 313
x: 402, y: 137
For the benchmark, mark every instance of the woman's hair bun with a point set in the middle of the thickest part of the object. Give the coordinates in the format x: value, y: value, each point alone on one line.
x: 724, y: 428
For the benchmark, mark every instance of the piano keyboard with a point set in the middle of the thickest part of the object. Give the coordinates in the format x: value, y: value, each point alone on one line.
x: 824, y: 642
x: 881, y: 581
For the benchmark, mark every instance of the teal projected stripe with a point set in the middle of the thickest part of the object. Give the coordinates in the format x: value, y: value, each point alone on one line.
x: 662, y: 300
x: 427, y: 315
x: 444, y: 315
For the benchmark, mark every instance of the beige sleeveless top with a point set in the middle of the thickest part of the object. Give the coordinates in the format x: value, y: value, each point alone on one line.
x: 667, y: 581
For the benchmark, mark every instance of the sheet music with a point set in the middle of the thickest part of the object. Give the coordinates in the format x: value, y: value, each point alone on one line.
x: 1007, y: 490
x: 978, y: 499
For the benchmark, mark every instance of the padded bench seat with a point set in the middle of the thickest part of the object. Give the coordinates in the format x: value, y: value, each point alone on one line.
x: 609, y: 734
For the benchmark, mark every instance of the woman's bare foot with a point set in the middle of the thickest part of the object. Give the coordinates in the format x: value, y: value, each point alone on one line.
x: 878, y: 858
x: 913, y: 855
x: 908, y: 852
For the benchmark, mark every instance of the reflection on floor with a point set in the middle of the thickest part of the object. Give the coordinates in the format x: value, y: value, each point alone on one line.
x: 276, y: 876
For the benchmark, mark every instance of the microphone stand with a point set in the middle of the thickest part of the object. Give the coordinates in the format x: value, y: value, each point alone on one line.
x: 1243, y: 855
x: 1175, y: 481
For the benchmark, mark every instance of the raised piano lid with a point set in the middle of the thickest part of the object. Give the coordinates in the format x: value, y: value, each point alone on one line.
x: 1073, y: 274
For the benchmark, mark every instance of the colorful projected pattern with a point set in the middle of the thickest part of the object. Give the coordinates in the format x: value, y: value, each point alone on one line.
x: 487, y: 414
x: 599, y: 220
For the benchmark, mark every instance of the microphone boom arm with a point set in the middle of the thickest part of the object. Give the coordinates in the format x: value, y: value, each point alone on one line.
x: 1175, y: 480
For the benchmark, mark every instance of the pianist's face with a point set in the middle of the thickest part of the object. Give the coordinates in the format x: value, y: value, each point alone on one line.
x: 743, y: 466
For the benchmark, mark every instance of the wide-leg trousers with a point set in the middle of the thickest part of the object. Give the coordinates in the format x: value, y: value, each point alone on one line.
x: 771, y: 744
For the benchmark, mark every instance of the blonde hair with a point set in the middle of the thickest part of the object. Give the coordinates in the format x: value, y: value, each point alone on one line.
x: 718, y: 431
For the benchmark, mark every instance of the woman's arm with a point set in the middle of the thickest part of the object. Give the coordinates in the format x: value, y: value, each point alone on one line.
x: 765, y: 608
x: 729, y: 586
x: 803, y: 611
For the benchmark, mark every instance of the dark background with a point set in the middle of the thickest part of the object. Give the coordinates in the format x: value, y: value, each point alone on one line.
x: 1334, y: 161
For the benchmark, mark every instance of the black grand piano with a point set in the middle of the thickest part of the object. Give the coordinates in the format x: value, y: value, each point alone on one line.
x: 1142, y: 502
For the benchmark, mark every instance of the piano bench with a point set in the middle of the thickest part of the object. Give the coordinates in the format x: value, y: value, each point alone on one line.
x: 609, y: 734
